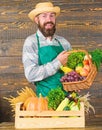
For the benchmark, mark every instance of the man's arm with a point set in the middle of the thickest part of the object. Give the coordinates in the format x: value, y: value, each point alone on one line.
x: 32, y: 70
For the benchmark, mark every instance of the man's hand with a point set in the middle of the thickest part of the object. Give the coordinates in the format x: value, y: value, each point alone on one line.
x: 63, y: 57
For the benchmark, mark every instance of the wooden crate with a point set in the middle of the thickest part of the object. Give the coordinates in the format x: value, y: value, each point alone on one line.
x: 49, y: 119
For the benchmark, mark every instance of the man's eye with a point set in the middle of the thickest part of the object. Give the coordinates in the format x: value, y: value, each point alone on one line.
x: 52, y: 15
x: 44, y: 16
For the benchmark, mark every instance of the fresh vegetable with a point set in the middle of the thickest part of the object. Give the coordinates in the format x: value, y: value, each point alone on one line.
x: 87, y: 67
x: 36, y: 104
x: 55, y: 97
x: 84, y: 72
x: 42, y: 103
x: 74, y: 106
x: 31, y: 104
x: 73, y: 96
x: 74, y: 101
x: 83, y: 69
x: 86, y: 58
x: 85, y: 62
x: 23, y: 94
x: 74, y: 59
x: 85, y: 99
x: 63, y: 104
x: 79, y: 67
x: 96, y: 57
x: 65, y: 69
x: 66, y: 108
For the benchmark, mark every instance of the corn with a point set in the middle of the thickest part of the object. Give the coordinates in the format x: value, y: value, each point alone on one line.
x: 65, y: 69
x: 63, y: 104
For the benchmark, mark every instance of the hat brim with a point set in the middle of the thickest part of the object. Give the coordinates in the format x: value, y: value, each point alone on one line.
x: 36, y: 12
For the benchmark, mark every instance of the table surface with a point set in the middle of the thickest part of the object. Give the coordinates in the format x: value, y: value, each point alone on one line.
x: 10, y: 126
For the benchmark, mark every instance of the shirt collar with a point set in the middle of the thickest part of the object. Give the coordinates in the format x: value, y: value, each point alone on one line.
x: 42, y: 37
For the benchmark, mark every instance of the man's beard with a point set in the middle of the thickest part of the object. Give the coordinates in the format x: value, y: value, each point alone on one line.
x: 47, y: 32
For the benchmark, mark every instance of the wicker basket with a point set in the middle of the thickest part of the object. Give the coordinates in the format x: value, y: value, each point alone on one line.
x: 87, y: 82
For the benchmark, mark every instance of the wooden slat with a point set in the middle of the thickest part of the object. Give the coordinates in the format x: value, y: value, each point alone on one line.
x: 38, y: 121
x: 14, y: 47
x: 11, y: 65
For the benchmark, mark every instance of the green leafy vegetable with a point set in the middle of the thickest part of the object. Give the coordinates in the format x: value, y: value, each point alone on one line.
x: 74, y: 59
x: 55, y: 96
x: 66, y: 108
x: 96, y: 57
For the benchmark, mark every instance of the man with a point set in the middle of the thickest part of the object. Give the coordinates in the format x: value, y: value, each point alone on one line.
x: 44, y: 52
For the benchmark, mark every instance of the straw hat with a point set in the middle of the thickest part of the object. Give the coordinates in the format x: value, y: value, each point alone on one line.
x: 43, y: 7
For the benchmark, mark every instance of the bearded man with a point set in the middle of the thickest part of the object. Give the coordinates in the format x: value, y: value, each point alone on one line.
x: 44, y: 52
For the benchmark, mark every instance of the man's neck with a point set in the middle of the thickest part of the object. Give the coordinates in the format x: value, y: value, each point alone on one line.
x: 49, y: 38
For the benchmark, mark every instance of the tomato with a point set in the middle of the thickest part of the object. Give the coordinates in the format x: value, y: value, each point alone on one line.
x: 85, y: 62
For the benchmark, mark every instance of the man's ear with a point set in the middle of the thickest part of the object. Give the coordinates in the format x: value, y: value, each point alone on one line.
x: 36, y: 20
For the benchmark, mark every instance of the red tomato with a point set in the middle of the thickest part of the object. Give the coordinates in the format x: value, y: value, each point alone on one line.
x: 86, y: 62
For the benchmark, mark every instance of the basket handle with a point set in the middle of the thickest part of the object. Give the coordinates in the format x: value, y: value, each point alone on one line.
x: 80, y: 50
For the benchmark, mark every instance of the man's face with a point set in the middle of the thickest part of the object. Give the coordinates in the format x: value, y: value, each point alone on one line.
x: 47, y: 23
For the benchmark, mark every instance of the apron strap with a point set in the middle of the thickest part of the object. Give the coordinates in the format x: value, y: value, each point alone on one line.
x: 38, y: 40
x: 58, y: 41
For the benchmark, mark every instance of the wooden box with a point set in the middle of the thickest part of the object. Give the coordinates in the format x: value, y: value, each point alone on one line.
x: 49, y: 119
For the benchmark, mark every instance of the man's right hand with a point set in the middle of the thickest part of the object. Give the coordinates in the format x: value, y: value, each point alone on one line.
x: 63, y: 57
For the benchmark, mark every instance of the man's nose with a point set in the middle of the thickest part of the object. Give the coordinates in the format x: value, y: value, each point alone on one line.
x: 48, y: 18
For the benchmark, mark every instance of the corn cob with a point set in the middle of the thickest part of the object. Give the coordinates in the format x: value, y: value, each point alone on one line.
x: 65, y: 69
x: 62, y: 105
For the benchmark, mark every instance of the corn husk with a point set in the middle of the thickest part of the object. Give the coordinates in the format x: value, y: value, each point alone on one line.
x: 23, y: 94
x: 87, y: 105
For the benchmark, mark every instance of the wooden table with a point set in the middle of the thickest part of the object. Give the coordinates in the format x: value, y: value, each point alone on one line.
x: 10, y: 126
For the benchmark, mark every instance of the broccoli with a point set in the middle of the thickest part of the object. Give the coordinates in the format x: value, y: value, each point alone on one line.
x: 55, y: 96
x: 74, y: 59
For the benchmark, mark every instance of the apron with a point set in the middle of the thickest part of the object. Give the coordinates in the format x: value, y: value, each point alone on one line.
x: 47, y: 54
